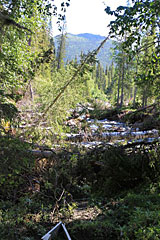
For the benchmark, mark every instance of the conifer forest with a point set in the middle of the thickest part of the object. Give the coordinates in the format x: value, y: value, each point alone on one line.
x: 79, y: 137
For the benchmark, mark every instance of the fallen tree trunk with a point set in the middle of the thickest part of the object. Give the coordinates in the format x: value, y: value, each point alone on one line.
x: 142, y: 143
x: 138, y: 110
x: 42, y: 153
x: 97, y: 148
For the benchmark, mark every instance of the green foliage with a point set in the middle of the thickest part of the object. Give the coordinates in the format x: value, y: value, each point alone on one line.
x: 18, y: 55
x: 15, y: 162
x: 116, y: 169
x: 127, y: 20
x: 8, y: 111
x: 94, y: 230
x: 48, y: 85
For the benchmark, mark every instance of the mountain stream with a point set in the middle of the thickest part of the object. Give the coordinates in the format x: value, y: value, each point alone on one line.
x: 97, y: 132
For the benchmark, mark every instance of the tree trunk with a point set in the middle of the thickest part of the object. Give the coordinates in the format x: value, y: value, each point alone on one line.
x: 31, y: 91
x: 61, y: 51
x: 118, y: 91
x: 134, y: 96
x: 122, y: 87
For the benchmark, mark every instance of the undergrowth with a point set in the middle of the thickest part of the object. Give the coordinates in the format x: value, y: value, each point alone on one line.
x: 36, y: 193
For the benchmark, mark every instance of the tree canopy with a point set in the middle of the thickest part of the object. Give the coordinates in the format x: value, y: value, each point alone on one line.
x: 135, y: 20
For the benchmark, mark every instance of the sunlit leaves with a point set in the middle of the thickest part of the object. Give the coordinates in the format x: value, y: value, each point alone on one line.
x: 139, y: 17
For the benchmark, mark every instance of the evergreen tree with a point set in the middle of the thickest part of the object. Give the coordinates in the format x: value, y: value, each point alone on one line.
x: 61, y: 48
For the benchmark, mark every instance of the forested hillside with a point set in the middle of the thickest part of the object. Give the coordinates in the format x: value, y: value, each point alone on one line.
x: 79, y: 138
x: 85, y: 42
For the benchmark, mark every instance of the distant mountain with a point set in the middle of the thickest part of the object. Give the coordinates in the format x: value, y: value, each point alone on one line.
x: 75, y: 44
x: 91, y: 37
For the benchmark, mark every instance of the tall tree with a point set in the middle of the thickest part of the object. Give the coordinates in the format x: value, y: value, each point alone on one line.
x: 61, y: 50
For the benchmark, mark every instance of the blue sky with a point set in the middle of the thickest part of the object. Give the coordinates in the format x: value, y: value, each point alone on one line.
x: 88, y: 16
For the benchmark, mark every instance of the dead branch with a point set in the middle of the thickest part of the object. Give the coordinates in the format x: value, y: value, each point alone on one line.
x: 139, y: 110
